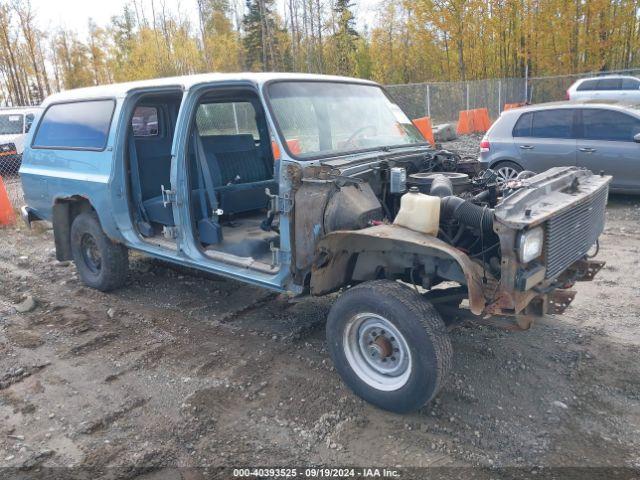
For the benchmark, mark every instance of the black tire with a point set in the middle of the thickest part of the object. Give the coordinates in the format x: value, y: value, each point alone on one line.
x: 424, y: 333
x: 101, y: 263
x: 501, y: 168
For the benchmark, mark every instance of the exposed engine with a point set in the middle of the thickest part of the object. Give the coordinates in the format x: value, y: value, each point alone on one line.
x: 383, y: 193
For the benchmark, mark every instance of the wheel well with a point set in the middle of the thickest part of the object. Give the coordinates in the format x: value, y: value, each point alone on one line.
x: 497, y: 163
x: 391, y: 252
x: 65, y: 210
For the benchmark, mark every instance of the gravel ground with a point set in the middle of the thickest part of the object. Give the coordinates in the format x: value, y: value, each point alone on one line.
x: 181, y: 369
x: 467, y: 146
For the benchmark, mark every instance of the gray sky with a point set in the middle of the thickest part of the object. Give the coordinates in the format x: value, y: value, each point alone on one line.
x: 75, y: 14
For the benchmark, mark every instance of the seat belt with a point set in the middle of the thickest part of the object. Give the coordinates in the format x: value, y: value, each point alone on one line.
x: 142, y: 222
x: 202, y: 194
x: 206, y: 173
x: 208, y: 228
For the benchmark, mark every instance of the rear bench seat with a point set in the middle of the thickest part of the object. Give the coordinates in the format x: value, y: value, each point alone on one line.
x: 240, y: 176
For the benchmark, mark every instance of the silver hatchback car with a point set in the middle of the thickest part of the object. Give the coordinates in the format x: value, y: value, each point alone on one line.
x: 599, y: 136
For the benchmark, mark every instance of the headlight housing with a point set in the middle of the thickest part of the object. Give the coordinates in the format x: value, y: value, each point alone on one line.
x: 530, y: 244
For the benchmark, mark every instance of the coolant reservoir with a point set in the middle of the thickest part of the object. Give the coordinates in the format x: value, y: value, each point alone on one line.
x: 419, y: 212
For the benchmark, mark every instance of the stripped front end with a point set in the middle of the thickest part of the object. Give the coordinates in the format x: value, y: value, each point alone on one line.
x: 548, y: 226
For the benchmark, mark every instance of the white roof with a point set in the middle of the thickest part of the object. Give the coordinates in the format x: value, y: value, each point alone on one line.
x: 612, y: 76
x: 186, y: 82
x: 16, y: 110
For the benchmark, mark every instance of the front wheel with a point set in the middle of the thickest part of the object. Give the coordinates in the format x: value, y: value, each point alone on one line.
x: 389, y: 345
x: 507, y: 171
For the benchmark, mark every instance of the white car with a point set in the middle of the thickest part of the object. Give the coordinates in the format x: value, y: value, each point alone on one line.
x: 14, y: 125
x: 611, y: 87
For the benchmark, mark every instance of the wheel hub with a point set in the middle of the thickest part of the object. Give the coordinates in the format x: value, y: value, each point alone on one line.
x: 381, y: 347
x: 506, y: 173
x: 91, y: 253
x: 377, y: 351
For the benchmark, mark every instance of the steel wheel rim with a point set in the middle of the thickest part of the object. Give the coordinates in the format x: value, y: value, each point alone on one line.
x: 506, y: 173
x: 91, y: 253
x: 377, y: 352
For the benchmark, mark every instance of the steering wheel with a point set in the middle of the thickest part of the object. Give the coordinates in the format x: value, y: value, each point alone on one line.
x: 358, y: 132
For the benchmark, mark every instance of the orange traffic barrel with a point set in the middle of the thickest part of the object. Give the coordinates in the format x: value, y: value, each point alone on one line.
x: 293, y: 144
x: 465, y: 122
x: 7, y: 214
x: 423, y: 124
x: 481, y: 122
x: 509, y: 106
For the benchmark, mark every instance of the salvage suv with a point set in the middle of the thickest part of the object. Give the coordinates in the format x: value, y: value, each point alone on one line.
x: 310, y: 185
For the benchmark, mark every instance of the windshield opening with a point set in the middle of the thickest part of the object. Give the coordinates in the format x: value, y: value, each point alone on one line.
x: 327, y: 118
x: 11, y: 124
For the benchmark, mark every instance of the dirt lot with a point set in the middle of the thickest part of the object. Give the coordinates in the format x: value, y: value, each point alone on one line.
x: 179, y: 370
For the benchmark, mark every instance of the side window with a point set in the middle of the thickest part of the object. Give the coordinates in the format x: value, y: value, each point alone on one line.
x: 609, y: 125
x: 552, y: 123
x: 630, y: 84
x: 145, y: 122
x: 230, y: 118
x: 523, y: 126
x: 28, y: 121
x: 588, y: 85
x: 609, y: 84
x: 78, y: 125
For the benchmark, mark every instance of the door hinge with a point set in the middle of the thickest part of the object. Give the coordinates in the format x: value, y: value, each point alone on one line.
x: 279, y: 204
x: 168, y: 196
x: 278, y: 256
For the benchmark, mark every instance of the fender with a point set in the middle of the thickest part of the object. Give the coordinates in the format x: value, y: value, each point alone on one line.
x: 337, y: 255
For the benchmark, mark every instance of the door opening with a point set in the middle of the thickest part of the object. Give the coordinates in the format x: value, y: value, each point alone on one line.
x: 231, y: 169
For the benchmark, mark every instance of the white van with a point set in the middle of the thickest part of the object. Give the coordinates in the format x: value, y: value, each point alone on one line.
x: 619, y: 88
x: 14, y: 125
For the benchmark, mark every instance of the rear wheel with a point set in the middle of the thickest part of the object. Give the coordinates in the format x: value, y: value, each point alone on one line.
x: 101, y: 263
x: 389, y: 345
x: 507, y: 171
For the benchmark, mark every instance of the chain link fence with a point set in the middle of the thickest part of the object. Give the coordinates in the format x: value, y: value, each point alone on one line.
x: 9, y: 166
x: 442, y: 101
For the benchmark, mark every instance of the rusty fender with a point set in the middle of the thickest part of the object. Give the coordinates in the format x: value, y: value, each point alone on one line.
x: 338, y: 251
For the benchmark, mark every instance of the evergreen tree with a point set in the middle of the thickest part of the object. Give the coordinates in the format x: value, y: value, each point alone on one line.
x: 346, y: 38
x: 262, y: 36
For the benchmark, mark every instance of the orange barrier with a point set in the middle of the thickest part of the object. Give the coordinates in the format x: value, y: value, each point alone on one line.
x: 509, y: 106
x: 424, y: 125
x: 465, y: 122
x: 293, y: 144
x: 481, y: 122
x: 7, y: 215
x: 473, y: 121
x: 275, y: 149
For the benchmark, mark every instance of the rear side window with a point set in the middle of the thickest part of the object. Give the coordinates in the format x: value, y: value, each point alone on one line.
x: 609, y: 125
x: 78, y: 125
x: 630, y: 84
x: 145, y: 122
x: 523, y: 126
x: 588, y: 85
x: 552, y: 124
